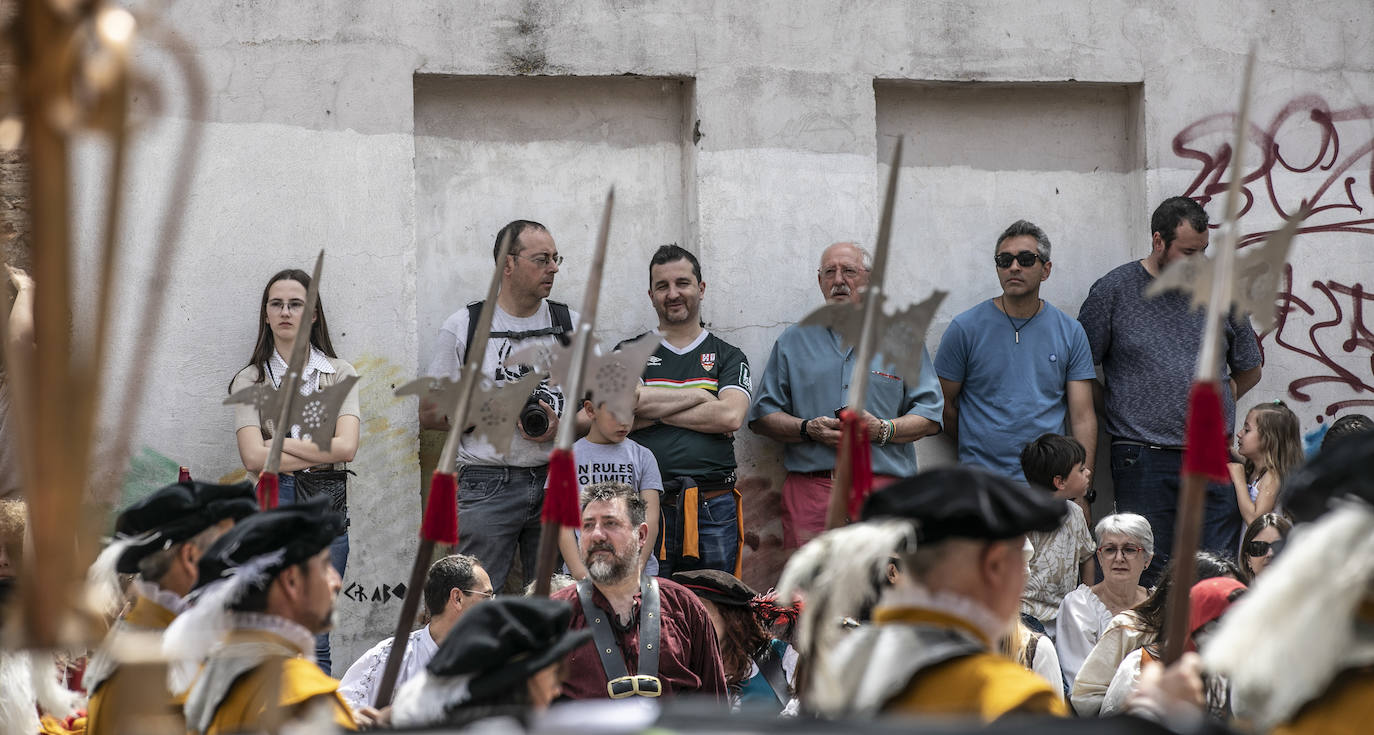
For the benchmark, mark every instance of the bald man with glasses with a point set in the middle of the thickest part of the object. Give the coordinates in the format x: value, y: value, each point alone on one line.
x: 806, y: 382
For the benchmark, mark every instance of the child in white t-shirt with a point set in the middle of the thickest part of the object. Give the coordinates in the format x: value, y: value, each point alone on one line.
x: 605, y: 455
x: 1055, y: 463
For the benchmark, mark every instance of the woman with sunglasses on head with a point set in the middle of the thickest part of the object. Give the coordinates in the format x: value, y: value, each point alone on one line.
x: 1263, y: 540
x: 304, y: 467
x: 1125, y: 545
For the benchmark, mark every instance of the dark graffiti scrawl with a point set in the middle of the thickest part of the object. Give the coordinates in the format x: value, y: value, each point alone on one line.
x: 1311, y: 154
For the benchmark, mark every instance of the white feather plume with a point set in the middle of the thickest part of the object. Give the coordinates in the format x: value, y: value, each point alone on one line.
x: 835, y: 575
x: 103, y: 591
x: 29, y: 682
x: 425, y: 699
x: 1298, y: 618
x: 195, y: 632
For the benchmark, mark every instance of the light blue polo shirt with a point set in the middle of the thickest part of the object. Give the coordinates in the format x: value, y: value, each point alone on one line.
x: 1012, y: 393
x: 808, y: 376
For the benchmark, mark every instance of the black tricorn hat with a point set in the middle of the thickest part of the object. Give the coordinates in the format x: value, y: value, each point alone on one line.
x: 298, y: 531
x: 717, y: 586
x: 503, y: 642
x: 965, y: 502
x: 175, y: 513
x: 1343, y: 469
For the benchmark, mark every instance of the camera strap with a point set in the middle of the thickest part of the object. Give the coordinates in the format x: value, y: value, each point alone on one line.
x: 559, y: 316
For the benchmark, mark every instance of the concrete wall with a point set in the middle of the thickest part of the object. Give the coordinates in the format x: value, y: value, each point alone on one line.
x: 399, y: 136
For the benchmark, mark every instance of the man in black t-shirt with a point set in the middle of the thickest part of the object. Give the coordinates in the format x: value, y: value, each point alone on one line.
x: 695, y: 396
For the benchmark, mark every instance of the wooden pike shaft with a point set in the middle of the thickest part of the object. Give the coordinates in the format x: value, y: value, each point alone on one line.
x: 1193, y: 487
x: 837, y: 511
x: 55, y: 463
x: 401, y: 636
x: 291, y: 382
x: 448, y: 462
x: 448, y: 457
x: 572, y: 390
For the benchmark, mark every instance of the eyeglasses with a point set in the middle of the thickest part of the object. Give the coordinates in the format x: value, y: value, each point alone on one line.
x: 628, y: 686
x: 289, y: 307
x: 542, y: 260
x: 1128, y: 551
x: 1260, y: 548
x: 479, y: 593
x: 1025, y: 259
x: 849, y: 274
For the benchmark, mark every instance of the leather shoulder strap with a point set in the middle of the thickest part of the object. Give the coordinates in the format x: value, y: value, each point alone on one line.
x: 607, y: 649
x: 770, y: 665
x: 650, y: 626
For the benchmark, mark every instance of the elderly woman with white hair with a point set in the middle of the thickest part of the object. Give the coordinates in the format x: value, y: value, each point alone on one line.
x: 1125, y: 546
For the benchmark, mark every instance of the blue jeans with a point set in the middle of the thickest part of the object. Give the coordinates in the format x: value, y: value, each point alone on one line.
x: 498, y: 516
x: 338, y: 556
x: 1147, y: 482
x: 717, y: 536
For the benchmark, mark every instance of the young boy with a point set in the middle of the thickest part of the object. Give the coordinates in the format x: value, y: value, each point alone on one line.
x: 1054, y: 463
x: 605, y: 455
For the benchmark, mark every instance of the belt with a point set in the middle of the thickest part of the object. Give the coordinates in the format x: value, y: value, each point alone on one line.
x: 693, y: 493
x: 1131, y: 443
x: 619, y: 682
x: 818, y: 474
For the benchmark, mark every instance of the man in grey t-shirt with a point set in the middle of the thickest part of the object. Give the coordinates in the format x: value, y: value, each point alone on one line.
x: 1148, y: 350
x: 500, y: 494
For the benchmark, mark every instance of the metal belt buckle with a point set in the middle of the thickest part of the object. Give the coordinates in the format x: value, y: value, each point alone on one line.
x: 639, y: 684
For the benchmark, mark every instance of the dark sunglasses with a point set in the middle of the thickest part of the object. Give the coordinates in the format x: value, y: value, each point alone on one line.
x: 1260, y: 548
x: 1025, y: 259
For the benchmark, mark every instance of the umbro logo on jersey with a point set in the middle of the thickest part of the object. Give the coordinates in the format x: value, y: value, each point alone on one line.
x: 654, y: 361
x: 708, y: 360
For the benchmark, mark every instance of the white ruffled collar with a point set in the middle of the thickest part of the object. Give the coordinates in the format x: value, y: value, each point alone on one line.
x: 159, y: 596
x: 294, y: 633
x: 907, y: 594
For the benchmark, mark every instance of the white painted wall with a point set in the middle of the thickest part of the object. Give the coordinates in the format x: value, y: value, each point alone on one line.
x: 310, y: 141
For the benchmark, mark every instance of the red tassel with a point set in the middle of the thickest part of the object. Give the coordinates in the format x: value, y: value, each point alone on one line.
x: 860, y: 459
x: 560, y: 499
x: 184, y: 474
x: 440, y: 523
x: 1204, y: 451
x: 267, y: 490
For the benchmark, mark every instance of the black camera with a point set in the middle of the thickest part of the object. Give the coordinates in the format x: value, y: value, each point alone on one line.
x: 534, y: 420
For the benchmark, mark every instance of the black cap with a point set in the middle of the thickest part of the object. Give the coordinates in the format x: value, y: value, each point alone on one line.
x: 174, y: 514
x: 964, y: 502
x: 300, y: 531
x: 237, y: 501
x: 717, y: 586
x: 505, y: 641
x: 1338, y: 471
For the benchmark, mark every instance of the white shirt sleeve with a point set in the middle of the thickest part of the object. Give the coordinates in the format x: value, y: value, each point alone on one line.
x: 1046, y: 664
x: 359, y: 684
x: 1076, y: 631
x: 1124, y: 681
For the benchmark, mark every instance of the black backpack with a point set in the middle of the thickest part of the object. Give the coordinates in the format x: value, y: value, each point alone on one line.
x: 561, y: 327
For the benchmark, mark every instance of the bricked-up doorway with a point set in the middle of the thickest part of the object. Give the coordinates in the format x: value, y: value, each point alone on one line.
x: 1067, y: 156
x: 489, y: 150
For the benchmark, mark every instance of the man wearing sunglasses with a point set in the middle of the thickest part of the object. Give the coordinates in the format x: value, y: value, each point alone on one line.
x: 453, y: 586
x: 1014, y: 367
x: 1148, y: 350
x: 651, y: 636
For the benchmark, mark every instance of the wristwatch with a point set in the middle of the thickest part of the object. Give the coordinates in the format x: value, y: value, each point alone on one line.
x: 804, y: 436
x: 1090, y: 496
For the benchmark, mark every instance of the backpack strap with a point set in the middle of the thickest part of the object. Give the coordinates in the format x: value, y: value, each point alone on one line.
x: 559, y: 314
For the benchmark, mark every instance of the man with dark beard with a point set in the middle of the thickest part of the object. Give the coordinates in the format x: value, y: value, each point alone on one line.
x: 650, y: 636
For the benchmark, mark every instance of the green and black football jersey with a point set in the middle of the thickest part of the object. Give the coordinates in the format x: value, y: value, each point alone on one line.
x: 710, y: 363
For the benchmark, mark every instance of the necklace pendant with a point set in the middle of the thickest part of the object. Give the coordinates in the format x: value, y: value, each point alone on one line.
x: 1018, y: 336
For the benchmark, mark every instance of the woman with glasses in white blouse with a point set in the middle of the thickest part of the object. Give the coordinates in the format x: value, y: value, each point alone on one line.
x: 280, y: 316
x: 1125, y: 546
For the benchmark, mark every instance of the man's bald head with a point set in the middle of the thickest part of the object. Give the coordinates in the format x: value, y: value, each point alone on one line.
x: 843, y: 272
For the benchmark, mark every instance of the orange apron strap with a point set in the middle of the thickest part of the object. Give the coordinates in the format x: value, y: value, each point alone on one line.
x: 691, y: 502
x: 739, y: 526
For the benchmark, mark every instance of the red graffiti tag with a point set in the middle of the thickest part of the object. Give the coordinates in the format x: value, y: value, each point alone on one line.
x: 1305, y: 164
